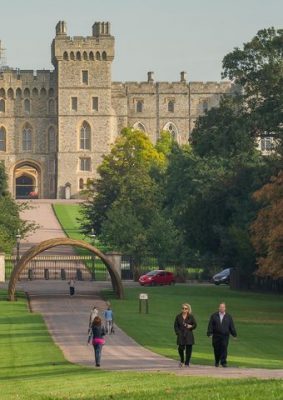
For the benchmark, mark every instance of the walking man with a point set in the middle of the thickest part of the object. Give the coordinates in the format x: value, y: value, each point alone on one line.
x: 220, y: 327
x: 108, y: 316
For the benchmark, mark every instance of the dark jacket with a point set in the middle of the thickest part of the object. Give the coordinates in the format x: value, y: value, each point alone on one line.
x: 184, y: 334
x: 98, y: 331
x: 216, y: 328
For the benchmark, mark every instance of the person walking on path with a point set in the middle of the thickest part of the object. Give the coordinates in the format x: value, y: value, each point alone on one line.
x: 94, y: 313
x: 98, y: 333
x: 72, y: 286
x: 184, y: 325
x: 108, y: 316
x: 220, y: 327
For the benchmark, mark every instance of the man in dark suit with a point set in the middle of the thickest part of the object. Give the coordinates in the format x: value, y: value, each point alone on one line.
x: 220, y: 327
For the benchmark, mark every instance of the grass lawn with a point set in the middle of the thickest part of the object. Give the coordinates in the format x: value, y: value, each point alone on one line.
x: 33, y: 368
x: 68, y: 216
x: 258, y: 319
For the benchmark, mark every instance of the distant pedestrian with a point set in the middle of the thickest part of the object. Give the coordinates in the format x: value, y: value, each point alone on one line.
x: 98, y: 333
x: 184, y: 325
x: 72, y: 287
x: 94, y: 313
x: 220, y: 327
x: 108, y: 316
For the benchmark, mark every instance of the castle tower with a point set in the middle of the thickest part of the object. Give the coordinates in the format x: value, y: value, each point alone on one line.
x: 85, y: 114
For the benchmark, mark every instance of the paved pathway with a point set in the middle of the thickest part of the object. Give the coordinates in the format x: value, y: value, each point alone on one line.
x: 67, y: 321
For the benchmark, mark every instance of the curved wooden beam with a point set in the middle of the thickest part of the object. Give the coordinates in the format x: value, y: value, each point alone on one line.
x: 48, y: 244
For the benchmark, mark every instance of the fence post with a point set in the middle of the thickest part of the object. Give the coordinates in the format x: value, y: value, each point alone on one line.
x: 2, y: 267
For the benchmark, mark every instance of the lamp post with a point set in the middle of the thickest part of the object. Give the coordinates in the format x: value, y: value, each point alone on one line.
x: 18, y: 237
x: 93, y: 236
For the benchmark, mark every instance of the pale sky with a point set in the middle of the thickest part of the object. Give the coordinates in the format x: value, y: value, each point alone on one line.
x: 166, y: 36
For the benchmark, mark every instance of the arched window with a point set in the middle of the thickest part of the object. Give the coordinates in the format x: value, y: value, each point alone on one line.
x: 139, y: 126
x: 27, y: 106
x: 91, y: 56
x: 2, y: 139
x: 10, y: 93
x: 27, y: 138
x: 79, y: 56
x: 26, y: 92
x: 2, y: 92
x: 81, y: 183
x: 2, y: 106
x: 85, y: 55
x: 171, y: 106
x: 172, y: 129
x: 205, y: 106
x: 139, y: 106
x: 43, y: 92
x: 104, y: 56
x: 35, y: 92
x: 51, y: 106
x: 65, y: 56
x: 72, y: 55
x: 266, y: 144
x: 85, y: 132
x: 18, y: 93
x: 97, y: 56
x: 51, y: 140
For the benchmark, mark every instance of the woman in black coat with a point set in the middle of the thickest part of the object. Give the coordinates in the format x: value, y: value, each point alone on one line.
x: 184, y: 325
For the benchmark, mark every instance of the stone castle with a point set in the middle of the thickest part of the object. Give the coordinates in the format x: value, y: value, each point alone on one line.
x: 55, y: 126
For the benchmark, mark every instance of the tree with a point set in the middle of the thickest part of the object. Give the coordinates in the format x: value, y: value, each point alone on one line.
x: 267, y: 229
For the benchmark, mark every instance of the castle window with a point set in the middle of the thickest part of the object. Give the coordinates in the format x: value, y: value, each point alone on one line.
x: 2, y: 106
x: 51, y: 139
x: 79, y: 56
x: 74, y: 103
x: 85, y: 55
x: 51, y: 92
x: 104, y: 56
x: 26, y: 93
x: 91, y: 56
x: 85, y: 136
x: 81, y: 183
x: 85, y: 164
x: 205, y: 106
x: 65, y: 56
x: 139, y: 106
x: 2, y: 139
x: 43, y: 92
x: 266, y: 144
x: 95, y: 103
x: 72, y: 55
x: 18, y: 93
x: 85, y: 77
x: 170, y: 127
x: 27, y: 138
x: 35, y: 92
x: 2, y: 92
x: 97, y: 56
x: 51, y: 106
x: 171, y: 106
x: 10, y: 93
x: 27, y: 106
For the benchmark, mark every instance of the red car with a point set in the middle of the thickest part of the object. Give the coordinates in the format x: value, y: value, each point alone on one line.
x: 157, y: 277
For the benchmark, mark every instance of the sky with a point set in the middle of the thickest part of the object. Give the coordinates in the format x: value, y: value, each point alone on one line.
x: 164, y: 36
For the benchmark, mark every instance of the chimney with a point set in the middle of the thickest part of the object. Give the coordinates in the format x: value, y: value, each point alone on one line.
x: 150, y: 76
x: 183, y: 75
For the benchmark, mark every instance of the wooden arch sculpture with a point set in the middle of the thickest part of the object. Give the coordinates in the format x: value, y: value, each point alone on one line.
x: 48, y: 244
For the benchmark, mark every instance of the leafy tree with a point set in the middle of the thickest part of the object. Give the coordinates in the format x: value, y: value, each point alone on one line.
x: 267, y: 229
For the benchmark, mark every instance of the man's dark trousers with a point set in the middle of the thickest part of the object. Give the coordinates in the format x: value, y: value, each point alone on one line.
x: 220, y: 345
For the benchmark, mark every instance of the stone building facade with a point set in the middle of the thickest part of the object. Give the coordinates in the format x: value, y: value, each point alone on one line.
x: 55, y: 126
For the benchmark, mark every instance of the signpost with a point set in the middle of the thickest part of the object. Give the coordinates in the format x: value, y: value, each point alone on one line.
x: 143, y: 298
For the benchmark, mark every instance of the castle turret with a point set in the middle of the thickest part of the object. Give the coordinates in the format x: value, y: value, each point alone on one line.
x: 61, y: 28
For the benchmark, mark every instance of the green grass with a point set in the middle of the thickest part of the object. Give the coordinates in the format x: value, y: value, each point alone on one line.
x: 33, y: 368
x: 68, y: 217
x: 258, y: 319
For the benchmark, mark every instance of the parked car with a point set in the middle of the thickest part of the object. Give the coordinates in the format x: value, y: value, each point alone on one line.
x: 157, y: 277
x: 222, y: 277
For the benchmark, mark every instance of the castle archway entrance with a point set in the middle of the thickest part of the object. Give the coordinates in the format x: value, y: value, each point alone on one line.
x: 48, y: 244
x: 26, y: 180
